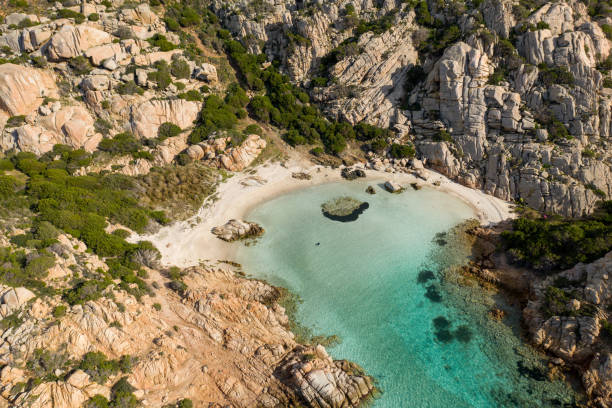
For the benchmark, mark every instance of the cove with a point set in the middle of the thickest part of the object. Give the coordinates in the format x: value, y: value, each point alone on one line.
x: 376, y: 282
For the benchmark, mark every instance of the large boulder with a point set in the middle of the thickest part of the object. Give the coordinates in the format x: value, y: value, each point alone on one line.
x: 71, y: 41
x: 146, y: 118
x: 238, y: 158
x: 70, y: 125
x: 235, y: 230
x: 22, y: 89
x: 13, y: 299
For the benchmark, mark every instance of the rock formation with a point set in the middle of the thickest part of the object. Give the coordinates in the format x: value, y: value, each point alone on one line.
x: 235, y: 230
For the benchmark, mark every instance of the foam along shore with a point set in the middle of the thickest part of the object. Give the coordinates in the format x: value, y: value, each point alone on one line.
x: 187, y: 243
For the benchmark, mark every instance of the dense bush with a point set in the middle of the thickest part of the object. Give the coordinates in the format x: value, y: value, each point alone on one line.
x: 67, y: 13
x: 191, y: 95
x: 554, y: 243
x: 129, y: 88
x: 159, y: 40
x: 162, y: 76
x: 15, y: 121
x: 215, y: 115
x: 179, y: 68
x: 166, y: 130
x: 557, y: 131
x: 398, y: 151
x: 121, y: 143
x: 99, y: 367
x: 555, y: 75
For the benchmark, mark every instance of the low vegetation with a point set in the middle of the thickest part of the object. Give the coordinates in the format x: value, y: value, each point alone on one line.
x: 554, y: 243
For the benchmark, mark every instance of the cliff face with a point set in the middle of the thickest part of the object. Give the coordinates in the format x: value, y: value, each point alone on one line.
x: 525, y: 99
x: 223, y: 341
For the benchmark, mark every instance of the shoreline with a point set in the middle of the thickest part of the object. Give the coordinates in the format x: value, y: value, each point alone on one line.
x: 190, y: 242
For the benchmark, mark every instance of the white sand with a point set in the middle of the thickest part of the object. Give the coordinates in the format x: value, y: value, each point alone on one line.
x: 189, y: 242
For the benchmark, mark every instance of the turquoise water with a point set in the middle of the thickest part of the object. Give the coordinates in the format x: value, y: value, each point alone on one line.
x: 360, y: 283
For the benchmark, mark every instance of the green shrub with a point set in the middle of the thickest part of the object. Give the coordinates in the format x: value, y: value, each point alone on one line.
x: 128, y: 88
x: 162, y: 76
x: 38, y: 61
x: 589, y: 153
x: 398, y: 151
x: 97, y: 401
x: 98, y: 366
x: 554, y: 243
x: 215, y: 115
x: 157, y: 306
x: 557, y: 131
x: 102, y: 126
x: 555, y: 75
x: 122, y: 394
x: 15, y: 121
x: 542, y: 25
x: 443, y: 136
x: 159, y: 40
x: 67, y: 13
x: 44, y: 363
x: 185, y: 403
x: 607, y: 83
x: 414, y: 76
x: 191, y: 95
x: 166, y: 130
x: 93, y: 17
x: 6, y: 165
x: 7, y: 186
x: 121, y: 143
x: 172, y: 24
x: 253, y: 129
x: 500, y: 74
x: 59, y: 311
x: 11, y: 321
x: 84, y: 291
x: 607, y: 29
x: 180, y: 69
x: 423, y: 17
x: 598, y: 192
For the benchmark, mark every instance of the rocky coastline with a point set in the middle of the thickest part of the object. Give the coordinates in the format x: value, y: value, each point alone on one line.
x: 563, y: 315
x: 207, y: 320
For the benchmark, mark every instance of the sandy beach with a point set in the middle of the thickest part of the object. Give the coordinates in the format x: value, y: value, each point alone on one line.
x: 190, y: 242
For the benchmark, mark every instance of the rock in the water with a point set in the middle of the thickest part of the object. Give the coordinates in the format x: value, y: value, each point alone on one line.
x: 235, y: 230
x: 344, y: 209
x: 370, y: 190
x: 393, y: 187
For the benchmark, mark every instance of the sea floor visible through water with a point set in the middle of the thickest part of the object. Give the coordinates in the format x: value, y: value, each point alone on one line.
x: 379, y: 284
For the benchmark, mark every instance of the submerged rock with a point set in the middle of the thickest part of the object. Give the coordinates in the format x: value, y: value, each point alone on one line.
x: 344, y: 209
x: 370, y: 190
x: 235, y: 230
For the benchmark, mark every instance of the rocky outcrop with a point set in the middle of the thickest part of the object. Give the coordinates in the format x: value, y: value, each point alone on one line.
x: 70, y: 41
x: 69, y: 125
x: 501, y: 131
x: 235, y: 230
x: 564, y: 316
x: 221, y: 340
x: 23, y: 89
x: 146, y: 118
x: 219, y: 152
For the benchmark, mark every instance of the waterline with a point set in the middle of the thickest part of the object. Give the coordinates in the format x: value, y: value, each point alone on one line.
x: 425, y: 345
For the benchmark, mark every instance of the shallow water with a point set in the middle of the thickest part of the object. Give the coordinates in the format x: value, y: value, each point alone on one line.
x: 360, y: 283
